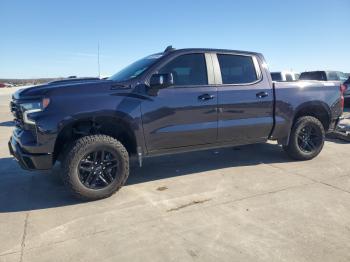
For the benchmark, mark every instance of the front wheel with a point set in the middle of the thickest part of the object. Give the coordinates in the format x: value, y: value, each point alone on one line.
x: 306, y: 139
x: 95, y: 167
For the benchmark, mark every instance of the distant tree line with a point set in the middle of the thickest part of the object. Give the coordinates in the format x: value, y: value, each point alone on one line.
x: 33, y: 81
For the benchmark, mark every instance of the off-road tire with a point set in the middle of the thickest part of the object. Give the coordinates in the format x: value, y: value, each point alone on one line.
x: 293, y: 148
x: 78, y: 150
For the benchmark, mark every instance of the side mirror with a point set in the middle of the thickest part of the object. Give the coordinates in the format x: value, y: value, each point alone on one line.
x: 159, y: 81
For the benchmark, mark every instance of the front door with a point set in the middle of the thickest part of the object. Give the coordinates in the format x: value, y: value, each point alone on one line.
x: 183, y: 114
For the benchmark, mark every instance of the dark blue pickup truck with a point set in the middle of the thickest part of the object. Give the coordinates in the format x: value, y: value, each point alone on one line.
x: 169, y: 102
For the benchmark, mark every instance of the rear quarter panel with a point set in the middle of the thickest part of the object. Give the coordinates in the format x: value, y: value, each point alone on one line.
x: 292, y: 97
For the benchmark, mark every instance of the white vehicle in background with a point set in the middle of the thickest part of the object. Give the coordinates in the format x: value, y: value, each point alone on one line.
x: 9, y: 85
x: 284, y: 76
x: 324, y: 76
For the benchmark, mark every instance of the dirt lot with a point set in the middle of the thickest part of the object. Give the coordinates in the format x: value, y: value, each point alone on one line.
x: 248, y: 203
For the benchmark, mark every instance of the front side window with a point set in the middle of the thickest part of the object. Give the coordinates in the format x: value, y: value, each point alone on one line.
x: 187, y: 70
x: 237, y: 69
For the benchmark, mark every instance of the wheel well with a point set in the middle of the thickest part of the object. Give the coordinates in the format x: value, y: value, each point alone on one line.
x: 115, y: 128
x: 317, y: 111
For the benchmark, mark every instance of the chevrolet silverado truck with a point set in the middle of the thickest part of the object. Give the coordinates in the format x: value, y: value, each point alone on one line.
x: 170, y: 102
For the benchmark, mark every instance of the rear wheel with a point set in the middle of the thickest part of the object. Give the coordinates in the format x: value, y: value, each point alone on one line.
x: 95, y: 167
x: 306, y: 139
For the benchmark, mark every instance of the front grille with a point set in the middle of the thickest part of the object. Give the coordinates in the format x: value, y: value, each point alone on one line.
x: 17, y: 114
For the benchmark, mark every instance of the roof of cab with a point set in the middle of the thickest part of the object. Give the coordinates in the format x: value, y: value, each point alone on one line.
x: 170, y: 49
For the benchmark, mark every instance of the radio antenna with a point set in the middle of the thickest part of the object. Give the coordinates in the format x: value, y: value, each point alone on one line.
x: 98, y: 60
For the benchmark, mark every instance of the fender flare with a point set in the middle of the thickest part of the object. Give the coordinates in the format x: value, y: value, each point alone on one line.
x: 132, y: 125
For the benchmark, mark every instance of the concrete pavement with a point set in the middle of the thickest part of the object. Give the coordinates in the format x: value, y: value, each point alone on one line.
x: 250, y: 203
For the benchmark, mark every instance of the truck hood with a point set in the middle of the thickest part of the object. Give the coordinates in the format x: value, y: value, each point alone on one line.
x: 65, y: 85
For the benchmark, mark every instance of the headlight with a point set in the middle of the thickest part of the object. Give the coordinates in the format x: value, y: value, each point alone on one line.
x: 32, y: 107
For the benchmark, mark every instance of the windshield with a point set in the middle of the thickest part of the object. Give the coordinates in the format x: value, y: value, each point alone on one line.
x: 135, y: 69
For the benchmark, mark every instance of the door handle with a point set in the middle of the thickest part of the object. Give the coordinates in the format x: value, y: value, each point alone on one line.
x: 205, y: 97
x: 262, y: 94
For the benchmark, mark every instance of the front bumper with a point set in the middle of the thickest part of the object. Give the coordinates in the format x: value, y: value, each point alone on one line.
x: 29, y: 161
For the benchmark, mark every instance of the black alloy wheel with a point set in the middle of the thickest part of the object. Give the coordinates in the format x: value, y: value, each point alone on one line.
x: 306, y: 138
x: 95, y: 167
x: 98, y: 169
x: 309, y: 139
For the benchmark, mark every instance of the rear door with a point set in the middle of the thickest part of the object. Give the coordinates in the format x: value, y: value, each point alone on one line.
x: 183, y: 114
x: 245, y: 99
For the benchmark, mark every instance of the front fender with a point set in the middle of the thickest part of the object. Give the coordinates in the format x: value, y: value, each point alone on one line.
x: 65, y: 110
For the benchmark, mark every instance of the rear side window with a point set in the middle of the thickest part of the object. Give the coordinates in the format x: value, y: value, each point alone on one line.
x: 188, y: 69
x: 236, y: 69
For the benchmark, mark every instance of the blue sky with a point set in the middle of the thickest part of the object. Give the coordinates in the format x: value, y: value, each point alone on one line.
x: 60, y: 38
